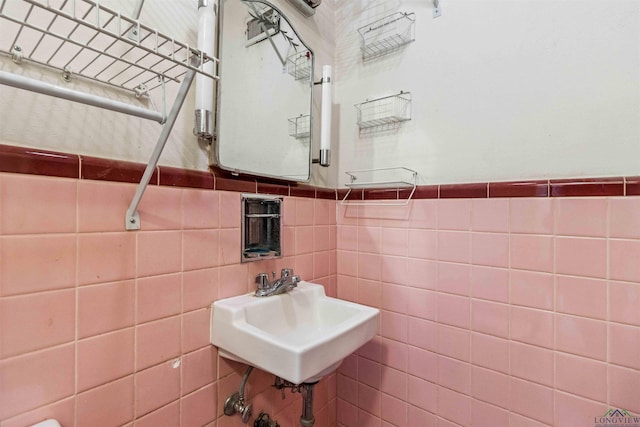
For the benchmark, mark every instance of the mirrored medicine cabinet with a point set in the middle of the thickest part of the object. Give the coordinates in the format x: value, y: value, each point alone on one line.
x: 263, y: 115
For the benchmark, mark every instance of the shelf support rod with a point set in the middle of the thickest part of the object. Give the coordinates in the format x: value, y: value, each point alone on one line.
x: 132, y: 218
x: 138, y: 9
x: 33, y: 85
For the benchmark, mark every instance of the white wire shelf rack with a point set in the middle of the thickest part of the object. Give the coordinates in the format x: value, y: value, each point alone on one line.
x: 384, y: 111
x: 82, y: 38
x: 300, y: 127
x: 299, y: 65
x: 387, y: 34
x: 397, y: 178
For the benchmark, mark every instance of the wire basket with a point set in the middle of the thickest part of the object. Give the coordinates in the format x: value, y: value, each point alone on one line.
x: 300, y: 127
x: 397, y: 184
x: 388, y: 110
x: 86, y: 39
x: 299, y: 65
x: 387, y: 34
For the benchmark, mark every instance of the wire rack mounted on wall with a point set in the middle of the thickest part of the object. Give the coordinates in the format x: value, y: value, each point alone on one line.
x: 86, y: 39
x: 82, y: 38
x: 384, y: 111
x: 401, y: 180
x: 299, y: 65
x: 387, y: 34
x: 300, y: 127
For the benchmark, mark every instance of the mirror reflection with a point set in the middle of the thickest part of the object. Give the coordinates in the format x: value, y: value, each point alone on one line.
x: 263, y: 123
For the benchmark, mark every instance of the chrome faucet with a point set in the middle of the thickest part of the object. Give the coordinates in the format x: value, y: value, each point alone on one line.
x: 285, y: 283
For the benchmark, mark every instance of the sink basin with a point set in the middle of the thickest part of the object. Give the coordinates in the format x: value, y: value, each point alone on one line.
x: 300, y: 336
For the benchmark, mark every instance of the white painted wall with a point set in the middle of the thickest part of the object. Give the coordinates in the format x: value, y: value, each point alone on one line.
x: 32, y: 120
x: 502, y: 89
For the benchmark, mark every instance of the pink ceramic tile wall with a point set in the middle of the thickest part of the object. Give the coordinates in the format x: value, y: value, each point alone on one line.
x: 103, y: 327
x: 495, y: 312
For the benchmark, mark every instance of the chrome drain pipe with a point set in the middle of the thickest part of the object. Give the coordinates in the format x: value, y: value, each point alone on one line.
x: 307, y: 419
x: 306, y: 390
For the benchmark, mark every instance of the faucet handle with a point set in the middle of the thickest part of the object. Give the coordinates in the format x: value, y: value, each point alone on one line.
x: 294, y: 281
x: 262, y: 280
x: 286, y: 272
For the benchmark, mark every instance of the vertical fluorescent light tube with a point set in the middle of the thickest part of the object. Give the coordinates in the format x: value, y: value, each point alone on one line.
x: 325, y: 124
x: 204, y: 85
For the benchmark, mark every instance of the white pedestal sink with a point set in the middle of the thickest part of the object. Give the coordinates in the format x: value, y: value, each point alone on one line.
x: 299, y: 336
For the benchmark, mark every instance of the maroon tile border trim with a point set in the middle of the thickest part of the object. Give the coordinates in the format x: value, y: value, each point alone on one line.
x: 275, y: 189
x: 96, y: 168
x: 381, y: 194
x: 356, y: 194
x: 176, y: 177
x: 34, y: 161
x: 464, y: 191
x: 238, y: 185
x: 632, y: 186
x: 38, y: 162
x: 519, y: 189
x: 301, y: 190
x: 587, y: 187
x: 422, y: 192
x: 325, y: 193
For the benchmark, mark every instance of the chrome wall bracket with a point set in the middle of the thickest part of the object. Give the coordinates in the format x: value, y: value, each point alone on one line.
x: 437, y: 10
x: 17, y: 55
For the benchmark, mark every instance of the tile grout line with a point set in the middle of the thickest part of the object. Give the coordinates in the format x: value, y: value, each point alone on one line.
x: 77, y: 291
